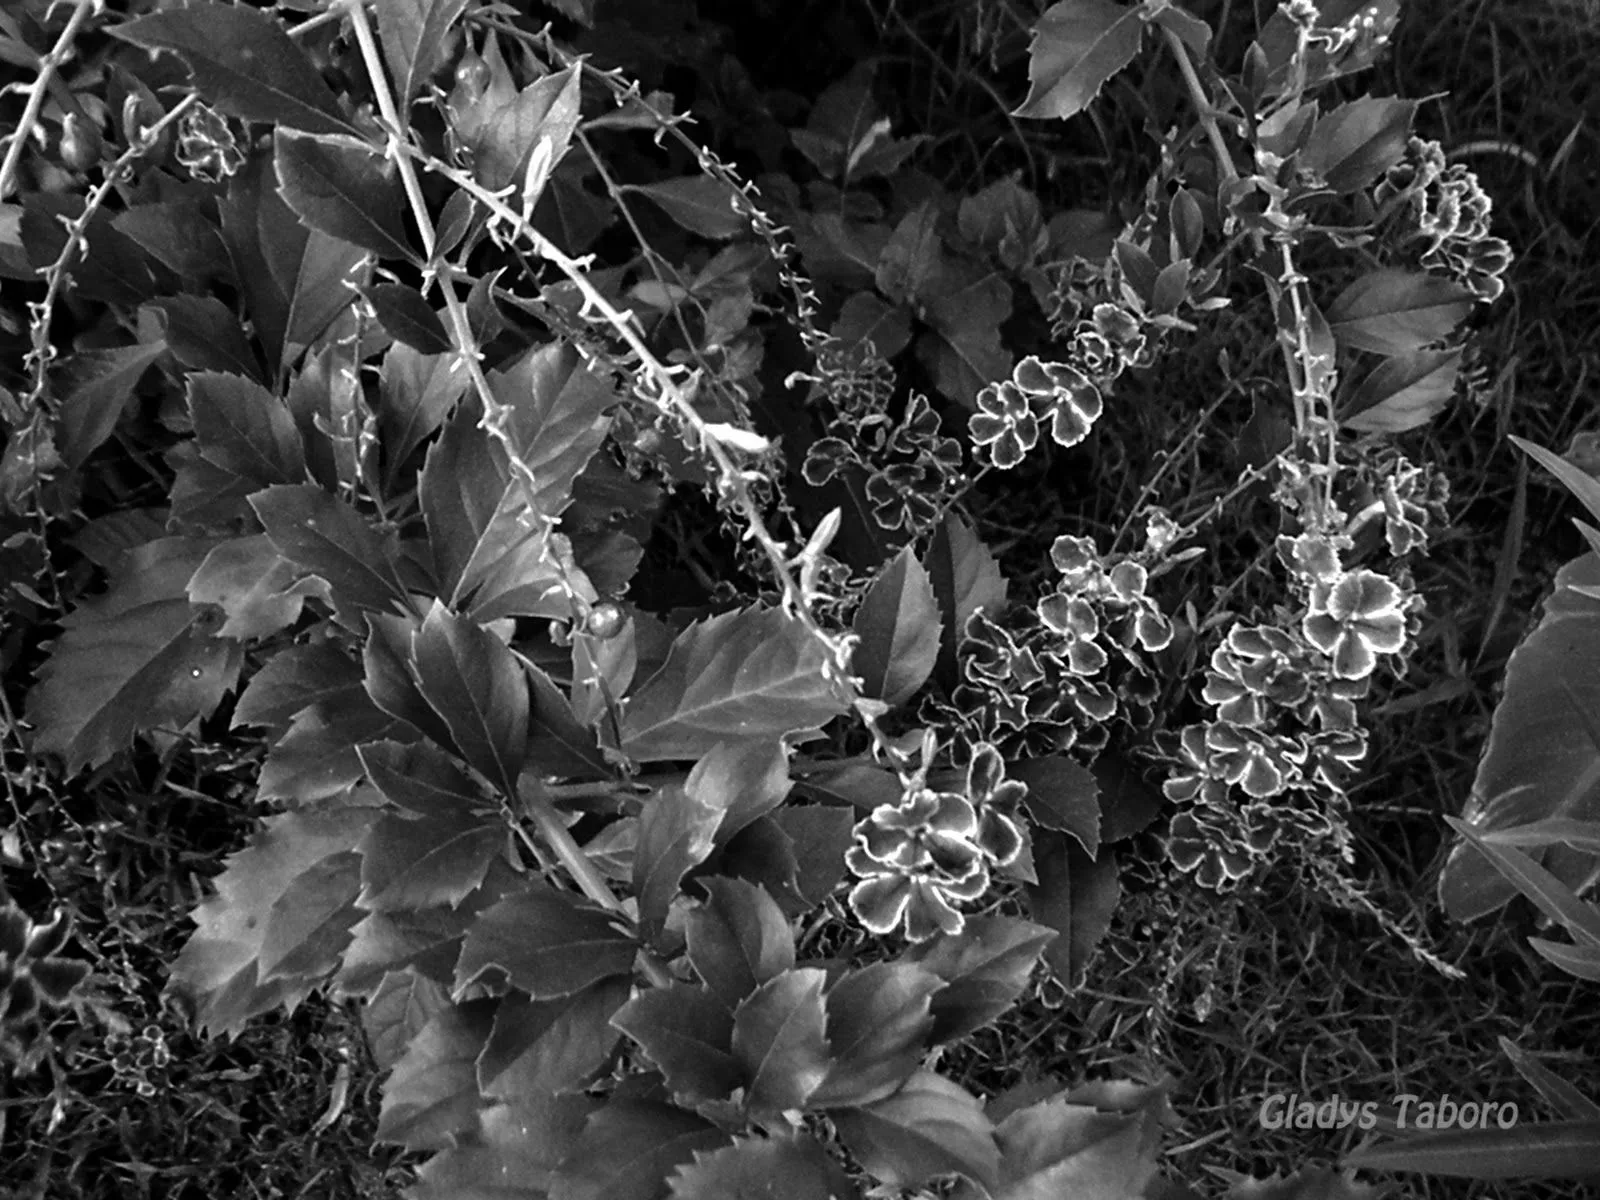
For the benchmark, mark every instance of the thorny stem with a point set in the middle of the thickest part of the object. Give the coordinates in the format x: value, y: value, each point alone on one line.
x: 1203, y: 106
x: 52, y: 62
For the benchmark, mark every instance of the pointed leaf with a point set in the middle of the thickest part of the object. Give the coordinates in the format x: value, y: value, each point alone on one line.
x: 1566, y: 1099
x: 930, y: 1128
x: 1061, y: 795
x: 545, y: 943
x: 204, y: 335
x: 1058, y: 1148
x: 543, y: 1046
x: 742, y: 780
x: 294, y: 679
x: 432, y: 1096
x: 676, y: 828
x: 338, y: 185
x: 738, y: 939
x: 245, y: 429
x: 421, y: 862
x: 413, y: 36
x: 1403, y: 392
x: 1076, y: 896
x: 688, y: 1034
x: 1551, y: 1150
x: 965, y: 578
x: 309, y: 926
x: 101, y: 383
x: 326, y: 537
x: 1357, y: 142
x: 879, y: 1022
x: 421, y: 779
x: 899, y: 627
x: 1397, y: 312
x: 822, y: 834
x: 475, y: 684
x: 415, y: 391
x: 1077, y: 46
x: 985, y: 968
x: 699, y: 203
x: 391, y: 682
x: 396, y: 1015
x: 629, y: 1147
x: 407, y: 317
x: 963, y: 348
x: 253, y: 584
x: 508, y: 134
x: 780, y: 1038
x: 748, y: 1169
x: 316, y: 758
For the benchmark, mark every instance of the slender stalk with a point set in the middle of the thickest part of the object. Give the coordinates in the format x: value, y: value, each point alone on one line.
x: 59, y: 55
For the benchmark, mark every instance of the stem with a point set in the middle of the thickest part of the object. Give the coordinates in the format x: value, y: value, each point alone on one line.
x: 59, y: 54
x: 1203, y: 106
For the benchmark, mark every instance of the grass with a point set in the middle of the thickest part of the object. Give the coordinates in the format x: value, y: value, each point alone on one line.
x: 1268, y: 991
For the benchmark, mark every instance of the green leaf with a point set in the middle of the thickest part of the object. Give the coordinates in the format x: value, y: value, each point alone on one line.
x: 390, y: 681
x: 1058, y: 1148
x: 688, y: 1034
x: 139, y: 657
x: 1061, y: 795
x: 747, y: 1170
x: 742, y: 780
x: 475, y: 684
x: 965, y: 578
x: 294, y: 679
x: 1396, y: 312
x: 1358, y: 141
x: 204, y: 335
x: 326, y: 537
x: 412, y: 33
x: 218, y: 964
x: 513, y: 1155
x: 99, y: 385
x: 821, y: 834
x: 779, y: 1037
x: 963, y: 348
x: 1579, y: 482
x: 912, y: 259
x: 899, y: 627
x: 930, y: 1128
x: 1403, y: 392
x: 243, y: 63
x: 1077, y: 46
x: 1076, y: 896
x: 398, y: 1012
x: 879, y: 1022
x: 416, y: 392
x: 546, y: 943
x: 756, y: 673
x: 340, y: 186
x: 179, y: 234
x: 407, y: 317
x: 1567, y: 1100
x: 245, y: 430
x: 560, y: 414
x: 316, y: 758
x: 738, y: 939
x: 541, y: 1046
x: 253, y: 584
x: 676, y: 828
x: 1553, y: 898
x: 410, y: 862
x: 422, y: 779
x: 1580, y: 835
x: 1542, y: 757
x: 540, y: 119
x: 985, y: 968
x: 432, y: 1098
x: 629, y: 1147
x: 308, y: 927
x: 557, y: 743
x: 1552, y: 1150
x: 699, y: 203
x: 1580, y: 961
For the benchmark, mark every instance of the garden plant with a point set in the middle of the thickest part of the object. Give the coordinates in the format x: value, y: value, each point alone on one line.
x: 599, y: 608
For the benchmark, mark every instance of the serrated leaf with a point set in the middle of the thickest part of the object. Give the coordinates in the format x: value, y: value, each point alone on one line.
x: 513, y: 1156
x: 1061, y: 795
x: 628, y: 1148
x: 1550, y: 895
x: 407, y: 317
x: 294, y: 679
x: 1358, y: 141
x: 505, y: 134
x: 338, y: 185
x: 1058, y: 1148
x: 136, y: 658
x: 738, y: 939
x: 179, y: 234
x: 546, y: 943
x: 1077, y: 46
x: 965, y: 578
x: 415, y: 393
x: 243, y: 63
x: 985, y: 968
x: 390, y: 679
x: 557, y: 743
x: 412, y: 33
x: 1549, y: 1150
x: 543, y: 1046
x: 699, y: 203
x: 253, y: 584
x: 316, y: 758
x: 747, y: 1170
x: 560, y: 414
x: 101, y: 381
x: 756, y: 673
x: 688, y: 1034
x: 963, y: 348
x: 930, y: 1128
x: 780, y: 1038
x: 204, y: 335
x: 422, y: 862
x: 1403, y: 392
x: 821, y: 834
x: 431, y: 1098
x: 475, y: 684
x: 327, y: 538
x: 1076, y: 896
x: 676, y: 831
x: 899, y: 627
x: 879, y: 1021
x: 420, y: 778
x: 742, y: 780
x: 245, y: 430
x: 1396, y: 312
x: 398, y: 1012
x: 912, y: 258
x: 309, y: 925
x: 218, y: 964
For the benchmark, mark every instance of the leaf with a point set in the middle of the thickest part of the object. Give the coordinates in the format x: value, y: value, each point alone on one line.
x: 432, y: 1098
x: 326, y: 537
x: 1580, y: 835
x: 1358, y: 141
x: 337, y: 185
x: 410, y: 862
x: 1553, y: 898
x: 557, y: 743
x: 475, y: 684
x: 546, y: 943
x: 965, y: 578
x: 218, y: 964
x: 821, y: 834
x: 294, y: 679
x: 1397, y: 312
x: 1542, y: 756
x: 1403, y: 392
x: 688, y: 1034
x: 101, y: 381
x: 204, y: 335
x: 413, y: 36
x: 415, y: 393
x: 421, y: 779
x: 137, y: 658
x: 899, y: 627
x: 1128, y: 803
x: 929, y: 1128
x: 317, y: 757
x: 963, y: 348
x: 1058, y: 1148
x: 541, y: 1046
x: 1061, y: 795
x: 985, y: 968
x: 699, y: 203
x: 1580, y: 961
x: 309, y: 926
x: 744, y: 781
x: 179, y: 234
x: 243, y: 63
x: 738, y: 939
x: 390, y: 679
x: 544, y: 114
x: 1579, y: 482
x: 245, y: 429
x: 1077, y: 46
x: 398, y: 1012
x: 1550, y: 1150
x: 676, y: 828
x: 779, y: 1037
x: 912, y: 258
x: 879, y: 1021
x: 627, y: 1149
x: 1076, y: 896
x: 514, y: 1154
x: 253, y: 584
x: 407, y: 317
x: 747, y: 1170
x: 755, y: 673
x: 1567, y: 1100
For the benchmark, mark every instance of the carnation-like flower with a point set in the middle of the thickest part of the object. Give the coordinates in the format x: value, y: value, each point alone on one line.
x: 1355, y: 619
x: 1004, y: 424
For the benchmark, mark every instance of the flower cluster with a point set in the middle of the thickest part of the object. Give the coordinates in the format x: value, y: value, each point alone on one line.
x: 913, y: 470
x: 1448, y: 209
x: 1006, y: 425
x: 140, y: 1060
x: 919, y: 859
x: 207, y: 146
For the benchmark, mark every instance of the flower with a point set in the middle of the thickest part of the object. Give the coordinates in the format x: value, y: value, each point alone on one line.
x: 915, y: 860
x: 1004, y: 423
x: 1355, y: 619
